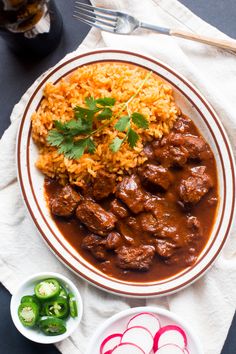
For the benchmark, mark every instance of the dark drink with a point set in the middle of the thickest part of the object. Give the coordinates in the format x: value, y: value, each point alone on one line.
x: 34, y: 26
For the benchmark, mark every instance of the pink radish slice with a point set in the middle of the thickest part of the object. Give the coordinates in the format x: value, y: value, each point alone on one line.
x: 127, y: 348
x: 186, y: 351
x: 109, y: 352
x: 110, y: 343
x: 147, y: 320
x: 170, y: 334
x: 169, y: 349
x: 139, y: 336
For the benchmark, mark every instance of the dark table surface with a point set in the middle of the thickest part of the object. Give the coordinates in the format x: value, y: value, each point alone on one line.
x: 16, y: 75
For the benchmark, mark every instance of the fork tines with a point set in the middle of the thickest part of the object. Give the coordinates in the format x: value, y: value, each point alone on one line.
x: 99, y: 17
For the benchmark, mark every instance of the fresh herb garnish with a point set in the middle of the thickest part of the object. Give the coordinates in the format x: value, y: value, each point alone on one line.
x: 75, y: 137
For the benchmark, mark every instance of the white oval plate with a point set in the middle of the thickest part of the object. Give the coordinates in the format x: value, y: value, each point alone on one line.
x: 191, y: 103
x: 118, y: 322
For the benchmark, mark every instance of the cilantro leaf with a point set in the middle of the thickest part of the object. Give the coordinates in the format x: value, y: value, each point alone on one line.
x: 122, y: 124
x: 60, y: 126
x: 90, y: 145
x: 77, y: 150
x: 55, y: 138
x: 91, y: 103
x: 139, y: 120
x: 116, y: 144
x: 105, y: 114
x: 106, y: 101
x: 66, y: 147
x: 133, y: 137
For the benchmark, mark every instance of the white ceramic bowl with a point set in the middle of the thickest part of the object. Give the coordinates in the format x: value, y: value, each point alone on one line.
x: 27, y: 288
x: 193, y: 104
x: 118, y: 322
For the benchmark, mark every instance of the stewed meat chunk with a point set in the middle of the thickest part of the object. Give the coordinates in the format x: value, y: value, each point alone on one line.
x: 165, y: 248
x: 148, y: 223
x: 176, y: 149
x: 131, y: 193
x: 96, y: 218
x: 156, y: 175
x: 169, y: 155
x: 96, y: 245
x: 104, y: 185
x: 192, y: 189
x: 119, y: 209
x: 182, y: 125
x: 65, y: 202
x: 197, y: 147
x: 114, y: 240
x: 135, y: 258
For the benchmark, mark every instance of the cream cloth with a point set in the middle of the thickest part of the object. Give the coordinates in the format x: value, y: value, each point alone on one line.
x: 209, y: 304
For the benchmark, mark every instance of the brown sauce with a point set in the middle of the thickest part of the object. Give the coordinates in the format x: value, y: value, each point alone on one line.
x: 161, y: 267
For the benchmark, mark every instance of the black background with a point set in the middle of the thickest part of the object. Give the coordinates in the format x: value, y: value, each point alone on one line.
x: 17, y: 74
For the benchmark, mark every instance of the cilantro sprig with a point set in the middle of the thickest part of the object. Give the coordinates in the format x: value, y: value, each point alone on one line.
x: 75, y: 137
x: 65, y: 136
x: 124, y: 125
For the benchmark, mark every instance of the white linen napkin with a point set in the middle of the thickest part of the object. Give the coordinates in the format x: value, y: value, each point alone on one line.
x: 209, y: 304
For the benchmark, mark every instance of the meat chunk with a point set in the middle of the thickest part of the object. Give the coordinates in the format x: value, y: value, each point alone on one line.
x: 176, y: 149
x: 197, y: 147
x: 148, y: 223
x: 170, y: 155
x: 156, y: 207
x: 65, y: 202
x: 182, y: 124
x: 192, y: 189
x: 165, y: 248
x: 96, y: 245
x: 135, y: 258
x: 104, y: 185
x: 131, y: 193
x: 193, y: 223
x: 118, y: 209
x: 156, y: 175
x: 114, y: 240
x: 148, y: 151
x: 96, y: 218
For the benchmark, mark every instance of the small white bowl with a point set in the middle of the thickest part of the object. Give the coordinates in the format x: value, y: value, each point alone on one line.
x: 118, y: 323
x: 27, y: 288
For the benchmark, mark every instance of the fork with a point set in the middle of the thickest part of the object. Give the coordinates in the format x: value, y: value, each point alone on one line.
x: 121, y: 23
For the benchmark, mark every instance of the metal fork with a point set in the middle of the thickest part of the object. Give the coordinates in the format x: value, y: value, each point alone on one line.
x: 121, y: 23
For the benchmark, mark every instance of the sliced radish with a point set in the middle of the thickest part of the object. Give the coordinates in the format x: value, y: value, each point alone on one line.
x: 127, y: 348
x: 170, y: 335
x: 186, y: 351
x: 147, y: 320
x: 169, y: 349
x: 110, y: 343
x: 140, y: 336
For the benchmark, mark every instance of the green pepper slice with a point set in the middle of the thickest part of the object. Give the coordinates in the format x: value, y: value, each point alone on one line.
x: 30, y: 298
x: 58, y: 308
x: 28, y: 313
x: 52, y: 326
x: 73, y: 305
x: 47, y: 289
x: 63, y: 293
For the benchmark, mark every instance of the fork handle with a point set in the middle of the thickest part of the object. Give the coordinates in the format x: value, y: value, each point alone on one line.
x: 220, y: 43
x: 229, y: 44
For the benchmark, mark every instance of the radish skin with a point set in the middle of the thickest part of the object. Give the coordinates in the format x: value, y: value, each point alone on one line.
x: 170, y: 334
x: 139, y: 336
x: 146, y: 320
x: 109, y: 343
x: 169, y: 349
x: 127, y: 348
